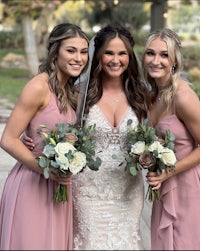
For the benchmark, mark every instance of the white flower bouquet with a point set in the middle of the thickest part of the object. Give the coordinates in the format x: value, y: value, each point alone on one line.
x: 150, y: 151
x: 67, y: 150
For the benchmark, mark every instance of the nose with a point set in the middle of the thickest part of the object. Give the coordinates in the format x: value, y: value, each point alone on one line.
x: 156, y: 59
x: 78, y: 56
x: 115, y: 59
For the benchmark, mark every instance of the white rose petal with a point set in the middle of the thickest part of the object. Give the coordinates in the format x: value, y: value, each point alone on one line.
x: 168, y: 157
x: 138, y: 147
x: 156, y: 146
x: 78, y: 162
x: 62, y: 161
x: 64, y: 147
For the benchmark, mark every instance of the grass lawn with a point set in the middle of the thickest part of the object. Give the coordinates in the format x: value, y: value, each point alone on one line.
x: 12, y: 80
x: 11, y: 83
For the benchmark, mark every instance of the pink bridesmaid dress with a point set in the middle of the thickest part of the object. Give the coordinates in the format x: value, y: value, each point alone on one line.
x: 175, y: 221
x: 29, y: 218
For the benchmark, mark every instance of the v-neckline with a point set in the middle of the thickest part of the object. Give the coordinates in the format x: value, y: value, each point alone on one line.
x: 107, y: 120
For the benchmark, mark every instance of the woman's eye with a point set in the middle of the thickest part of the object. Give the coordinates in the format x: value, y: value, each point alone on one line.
x: 84, y: 52
x: 165, y: 55
x: 70, y: 51
x: 108, y: 53
x: 123, y: 53
x: 149, y: 53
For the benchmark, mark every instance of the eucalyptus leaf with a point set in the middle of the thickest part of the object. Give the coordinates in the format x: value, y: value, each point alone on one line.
x: 46, y: 173
x: 114, y: 156
x: 129, y: 122
x: 133, y: 170
x: 42, y: 161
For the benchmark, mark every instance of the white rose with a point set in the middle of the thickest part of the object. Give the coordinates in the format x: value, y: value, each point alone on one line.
x: 78, y: 162
x: 138, y: 147
x: 61, y: 149
x: 64, y: 147
x: 62, y: 161
x: 168, y: 157
x: 156, y: 146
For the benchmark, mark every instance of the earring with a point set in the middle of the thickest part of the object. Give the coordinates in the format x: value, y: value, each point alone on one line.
x: 173, y: 69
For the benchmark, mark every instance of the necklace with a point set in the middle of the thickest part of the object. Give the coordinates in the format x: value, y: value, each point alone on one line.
x: 116, y: 99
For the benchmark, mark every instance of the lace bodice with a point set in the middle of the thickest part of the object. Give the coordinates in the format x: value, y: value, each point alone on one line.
x: 108, y: 202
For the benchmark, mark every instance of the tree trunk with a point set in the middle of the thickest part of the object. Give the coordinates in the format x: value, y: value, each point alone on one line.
x: 30, y: 45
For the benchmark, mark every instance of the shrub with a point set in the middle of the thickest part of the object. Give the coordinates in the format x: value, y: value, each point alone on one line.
x: 194, y: 74
x: 11, y: 39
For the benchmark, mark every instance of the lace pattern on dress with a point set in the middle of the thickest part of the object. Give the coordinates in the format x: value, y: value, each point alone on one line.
x: 108, y: 203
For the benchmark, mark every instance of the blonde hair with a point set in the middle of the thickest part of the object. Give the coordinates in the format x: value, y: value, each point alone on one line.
x: 175, y: 55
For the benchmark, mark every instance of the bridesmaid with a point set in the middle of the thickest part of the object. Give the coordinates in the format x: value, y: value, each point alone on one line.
x: 29, y: 217
x: 175, y: 222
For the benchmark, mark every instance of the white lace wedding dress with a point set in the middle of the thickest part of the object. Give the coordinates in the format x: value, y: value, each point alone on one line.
x: 108, y: 203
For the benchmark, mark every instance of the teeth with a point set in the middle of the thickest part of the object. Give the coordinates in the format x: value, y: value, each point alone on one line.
x: 115, y: 67
x: 75, y: 66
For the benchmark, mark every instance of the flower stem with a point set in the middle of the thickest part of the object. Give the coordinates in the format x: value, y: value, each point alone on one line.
x: 61, y: 193
x: 152, y: 195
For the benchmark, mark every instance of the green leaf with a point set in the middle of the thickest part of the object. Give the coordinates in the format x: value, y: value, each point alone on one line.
x: 49, y: 151
x: 129, y: 122
x: 114, y: 156
x: 133, y: 170
x: 54, y: 164
x: 46, y: 173
x: 42, y: 161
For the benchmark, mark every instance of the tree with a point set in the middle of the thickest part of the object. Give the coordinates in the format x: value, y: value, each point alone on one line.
x: 125, y: 12
x: 25, y: 12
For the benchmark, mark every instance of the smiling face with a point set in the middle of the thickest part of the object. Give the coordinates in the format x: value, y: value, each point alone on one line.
x: 156, y: 61
x: 72, y: 57
x: 115, y: 58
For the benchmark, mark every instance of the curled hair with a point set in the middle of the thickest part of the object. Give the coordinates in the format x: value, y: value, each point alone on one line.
x: 131, y: 76
x: 58, y: 34
x: 175, y: 56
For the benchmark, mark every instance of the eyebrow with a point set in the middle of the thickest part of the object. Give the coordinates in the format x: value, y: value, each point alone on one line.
x: 109, y: 50
x: 72, y: 47
x: 149, y: 49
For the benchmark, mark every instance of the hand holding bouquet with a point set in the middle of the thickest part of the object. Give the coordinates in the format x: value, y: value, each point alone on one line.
x: 68, y: 149
x: 148, y: 151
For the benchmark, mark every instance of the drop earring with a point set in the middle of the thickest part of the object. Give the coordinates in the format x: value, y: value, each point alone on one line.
x: 173, y: 69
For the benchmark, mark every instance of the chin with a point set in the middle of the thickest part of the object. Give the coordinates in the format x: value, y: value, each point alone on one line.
x: 155, y: 75
x: 75, y: 74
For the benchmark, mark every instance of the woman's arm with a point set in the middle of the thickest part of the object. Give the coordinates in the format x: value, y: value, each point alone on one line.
x: 31, y: 100
x: 188, y: 111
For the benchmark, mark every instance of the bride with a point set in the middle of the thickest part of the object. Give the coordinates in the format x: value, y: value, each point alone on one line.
x: 108, y: 203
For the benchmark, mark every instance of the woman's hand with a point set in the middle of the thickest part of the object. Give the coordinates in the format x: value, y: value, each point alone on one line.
x: 155, y: 180
x: 54, y: 175
x: 28, y: 142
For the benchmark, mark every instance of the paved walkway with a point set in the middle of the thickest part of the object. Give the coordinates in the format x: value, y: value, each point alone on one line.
x: 7, y: 162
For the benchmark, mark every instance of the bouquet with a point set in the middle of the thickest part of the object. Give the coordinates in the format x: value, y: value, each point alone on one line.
x: 150, y: 151
x: 67, y: 149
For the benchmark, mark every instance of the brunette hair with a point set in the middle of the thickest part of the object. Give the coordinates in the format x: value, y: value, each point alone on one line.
x: 133, y: 87
x: 59, y: 33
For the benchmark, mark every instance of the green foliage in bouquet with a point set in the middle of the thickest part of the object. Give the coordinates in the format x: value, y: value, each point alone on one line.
x: 67, y: 149
x: 149, y: 149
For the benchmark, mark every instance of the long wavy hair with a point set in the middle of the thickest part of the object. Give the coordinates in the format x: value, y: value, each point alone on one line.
x: 175, y: 56
x: 65, y: 95
x: 133, y: 87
